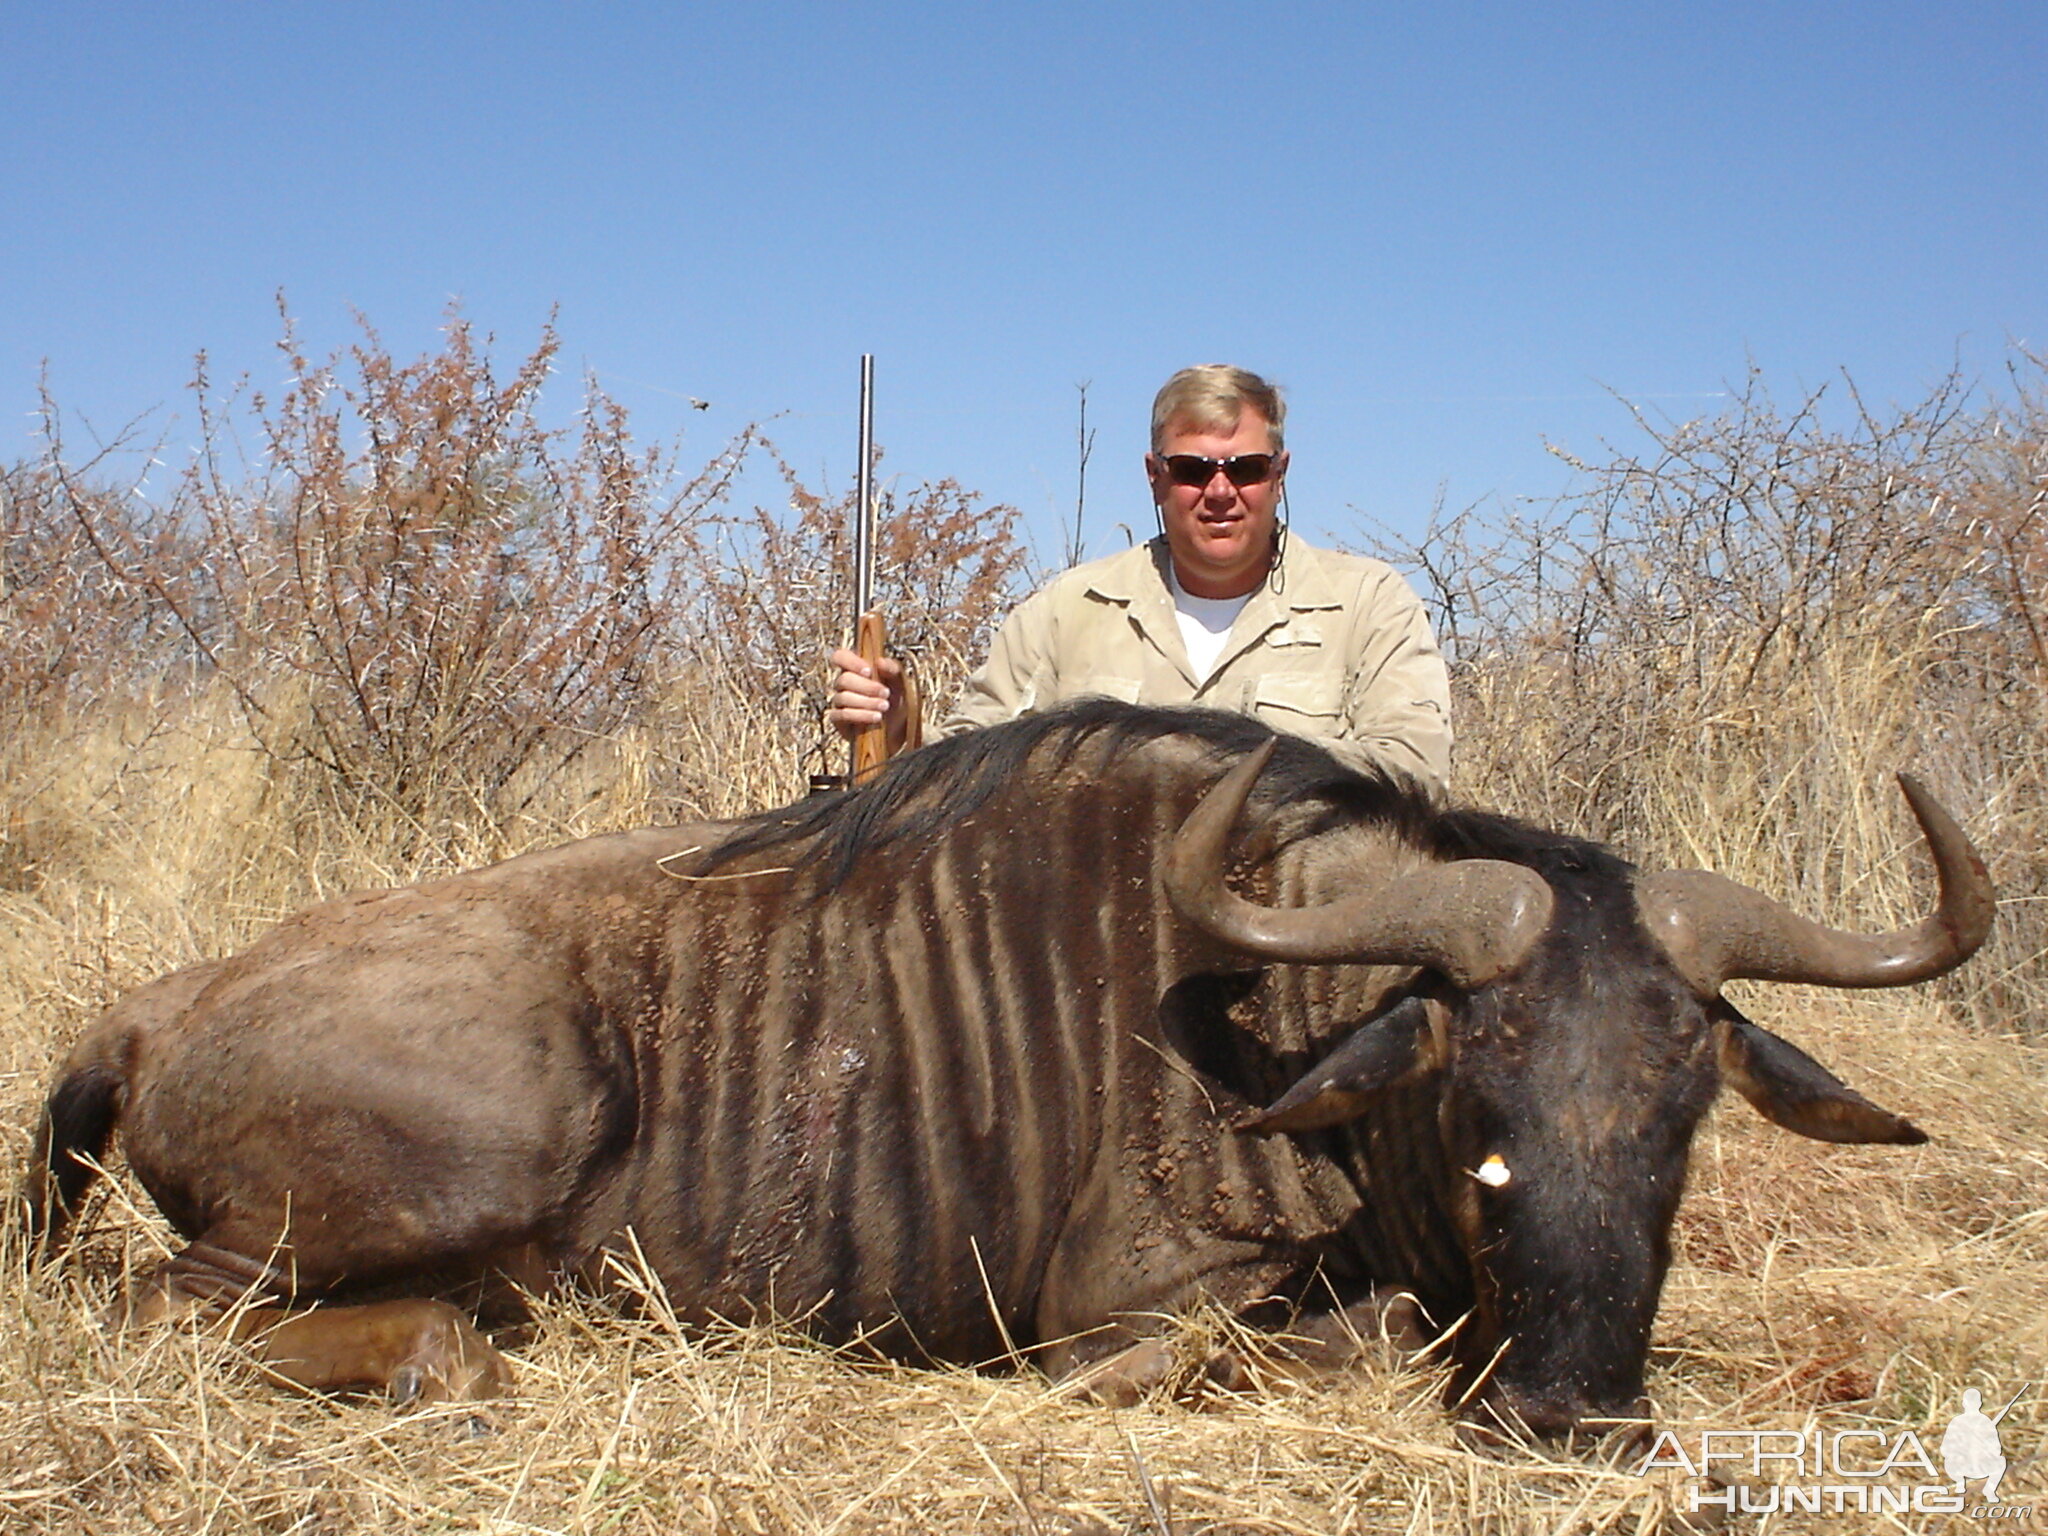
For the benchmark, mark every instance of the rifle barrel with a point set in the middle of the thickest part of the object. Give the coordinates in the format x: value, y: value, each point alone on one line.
x: 864, y: 511
x: 871, y: 746
x: 2008, y: 1407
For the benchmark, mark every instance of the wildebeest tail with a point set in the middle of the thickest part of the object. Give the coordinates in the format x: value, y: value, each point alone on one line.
x: 77, y: 1122
x: 85, y: 1103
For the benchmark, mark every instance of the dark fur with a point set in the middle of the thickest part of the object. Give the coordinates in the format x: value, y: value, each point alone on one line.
x: 80, y: 1121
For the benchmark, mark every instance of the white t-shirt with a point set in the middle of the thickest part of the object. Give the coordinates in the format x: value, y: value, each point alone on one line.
x: 1204, y: 623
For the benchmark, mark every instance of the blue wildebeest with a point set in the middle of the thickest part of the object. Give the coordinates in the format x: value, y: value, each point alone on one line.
x: 990, y: 1056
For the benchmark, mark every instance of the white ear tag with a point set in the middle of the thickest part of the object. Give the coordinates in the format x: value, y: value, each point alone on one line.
x: 1493, y: 1172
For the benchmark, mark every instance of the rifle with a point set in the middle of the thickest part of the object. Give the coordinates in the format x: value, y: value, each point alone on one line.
x: 871, y: 746
x: 2008, y: 1407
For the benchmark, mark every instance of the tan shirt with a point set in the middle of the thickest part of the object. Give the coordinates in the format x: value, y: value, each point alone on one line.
x: 1341, y: 651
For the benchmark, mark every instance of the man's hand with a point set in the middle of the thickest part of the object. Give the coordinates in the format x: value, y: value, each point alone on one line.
x: 862, y: 700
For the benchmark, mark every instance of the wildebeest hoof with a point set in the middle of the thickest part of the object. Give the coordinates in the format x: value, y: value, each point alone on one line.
x: 412, y: 1387
x: 1124, y: 1378
x: 408, y: 1385
x: 1224, y: 1372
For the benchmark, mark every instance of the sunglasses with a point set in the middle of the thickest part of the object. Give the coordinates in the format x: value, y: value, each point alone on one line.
x: 1243, y: 470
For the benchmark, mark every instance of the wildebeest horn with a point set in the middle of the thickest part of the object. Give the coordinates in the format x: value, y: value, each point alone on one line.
x: 1470, y: 921
x: 1716, y: 930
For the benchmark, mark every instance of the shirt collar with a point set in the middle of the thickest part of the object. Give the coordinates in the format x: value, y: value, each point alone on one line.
x: 1303, y: 583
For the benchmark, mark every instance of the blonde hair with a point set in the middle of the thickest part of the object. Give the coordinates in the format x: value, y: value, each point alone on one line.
x: 1212, y: 396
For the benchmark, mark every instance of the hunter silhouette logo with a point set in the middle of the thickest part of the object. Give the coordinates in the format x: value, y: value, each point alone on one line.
x: 1970, y: 1448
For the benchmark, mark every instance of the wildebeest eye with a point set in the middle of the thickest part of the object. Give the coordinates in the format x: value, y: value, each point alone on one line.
x: 1493, y: 1172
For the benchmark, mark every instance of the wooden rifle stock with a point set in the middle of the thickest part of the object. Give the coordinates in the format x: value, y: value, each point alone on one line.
x: 870, y: 639
x: 871, y: 746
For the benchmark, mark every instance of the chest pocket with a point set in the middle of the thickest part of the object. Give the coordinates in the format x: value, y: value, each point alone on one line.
x: 1300, y: 705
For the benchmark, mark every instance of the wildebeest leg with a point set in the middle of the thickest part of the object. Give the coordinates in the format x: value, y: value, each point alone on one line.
x: 1121, y: 1379
x: 1387, y: 1327
x: 416, y: 1349
x: 1389, y: 1321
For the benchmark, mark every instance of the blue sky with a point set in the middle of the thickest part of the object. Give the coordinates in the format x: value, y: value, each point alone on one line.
x: 1452, y: 231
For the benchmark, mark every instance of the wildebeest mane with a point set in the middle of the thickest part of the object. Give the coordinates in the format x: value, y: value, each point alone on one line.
x: 1561, y: 859
x: 921, y: 793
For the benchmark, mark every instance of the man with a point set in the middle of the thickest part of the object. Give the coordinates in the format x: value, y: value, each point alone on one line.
x: 1971, y: 1447
x: 1225, y: 608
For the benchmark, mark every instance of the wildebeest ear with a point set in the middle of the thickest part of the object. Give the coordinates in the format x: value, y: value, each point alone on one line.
x: 1789, y: 1088
x: 1401, y: 1044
